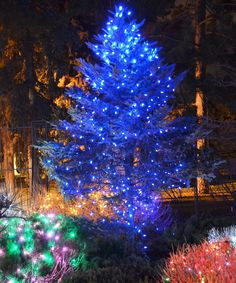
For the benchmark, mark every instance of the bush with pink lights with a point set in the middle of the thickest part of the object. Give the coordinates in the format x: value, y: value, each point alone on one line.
x: 212, y: 261
x: 41, y: 249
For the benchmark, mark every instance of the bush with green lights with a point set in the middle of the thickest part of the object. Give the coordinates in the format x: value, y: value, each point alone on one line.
x: 41, y: 249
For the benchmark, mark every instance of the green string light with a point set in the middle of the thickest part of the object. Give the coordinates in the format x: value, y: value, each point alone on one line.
x: 33, y: 246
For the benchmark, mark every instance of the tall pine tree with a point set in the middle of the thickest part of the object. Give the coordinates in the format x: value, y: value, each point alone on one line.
x: 116, y: 141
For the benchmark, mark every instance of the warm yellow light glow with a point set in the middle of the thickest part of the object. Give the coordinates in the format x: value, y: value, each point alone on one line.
x: 62, y: 101
x: 199, y: 102
x: 198, y: 70
x: 16, y: 172
x: 96, y: 207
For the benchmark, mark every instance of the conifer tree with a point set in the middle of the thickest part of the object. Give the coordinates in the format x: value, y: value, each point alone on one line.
x: 116, y: 140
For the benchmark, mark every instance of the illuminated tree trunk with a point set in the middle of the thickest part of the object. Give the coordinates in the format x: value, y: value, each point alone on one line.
x: 30, y: 169
x: 200, y: 15
x: 8, y: 163
x: 7, y: 142
x: 30, y: 81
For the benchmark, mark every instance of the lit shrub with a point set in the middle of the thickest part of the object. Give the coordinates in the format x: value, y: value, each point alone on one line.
x: 42, y: 248
x: 206, y: 263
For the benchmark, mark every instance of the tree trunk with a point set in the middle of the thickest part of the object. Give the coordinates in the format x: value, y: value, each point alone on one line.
x: 8, y: 162
x: 30, y: 169
x: 129, y: 163
x: 200, y: 15
x: 30, y: 81
x: 30, y: 75
x: 7, y: 141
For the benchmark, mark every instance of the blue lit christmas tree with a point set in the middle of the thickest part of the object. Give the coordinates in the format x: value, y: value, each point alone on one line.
x: 116, y: 141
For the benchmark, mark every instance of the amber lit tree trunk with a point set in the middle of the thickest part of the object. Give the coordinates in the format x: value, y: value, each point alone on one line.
x: 7, y: 142
x: 29, y: 169
x: 8, y: 164
x: 200, y: 15
x: 30, y: 77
